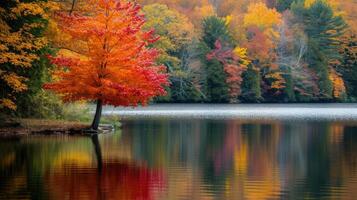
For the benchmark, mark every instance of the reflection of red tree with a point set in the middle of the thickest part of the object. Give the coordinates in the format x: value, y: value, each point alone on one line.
x: 114, y: 181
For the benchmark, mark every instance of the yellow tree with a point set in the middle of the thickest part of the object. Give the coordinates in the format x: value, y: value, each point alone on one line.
x: 19, y: 45
x: 266, y: 19
x: 174, y: 29
x: 194, y: 10
x: 262, y: 25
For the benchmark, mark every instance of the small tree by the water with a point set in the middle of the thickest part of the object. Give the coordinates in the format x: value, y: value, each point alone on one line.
x: 115, y: 66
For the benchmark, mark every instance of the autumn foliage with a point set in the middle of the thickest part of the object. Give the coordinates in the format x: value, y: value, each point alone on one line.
x: 19, y: 46
x: 339, y: 88
x: 271, y: 51
x: 116, y: 65
x: 234, y: 62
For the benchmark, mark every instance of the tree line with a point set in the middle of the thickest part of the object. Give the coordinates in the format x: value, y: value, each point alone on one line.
x: 256, y: 51
x: 214, y: 51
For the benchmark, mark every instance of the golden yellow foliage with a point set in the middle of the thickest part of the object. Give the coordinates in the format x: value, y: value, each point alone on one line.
x: 261, y: 16
x: 7, y: 103
x: 18, y: 47
x: 14, y: 81
x: 241, y: 53
x: 332, y: 3
x: 174, y: 29
x: 228, y: 19
x: 339, y: 88
x: 278, y: 80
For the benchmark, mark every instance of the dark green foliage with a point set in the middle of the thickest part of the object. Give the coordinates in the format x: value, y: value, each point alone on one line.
x: 217, y: 88
x: 215, y: 28
x: 182, y: 80
x: 322, y: 29
x: 283, y: 5
x: 182, y: 90
x: 37, y: 75
x: 251, y: 90
x: 288, y: 92
x: 348, y: 65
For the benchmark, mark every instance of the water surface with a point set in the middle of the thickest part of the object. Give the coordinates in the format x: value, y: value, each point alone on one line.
x: 187, y: 158
x: 317, y: 111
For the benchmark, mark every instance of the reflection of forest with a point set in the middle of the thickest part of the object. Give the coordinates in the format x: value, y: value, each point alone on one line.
x: 236, y: 160
x: 187, y: 159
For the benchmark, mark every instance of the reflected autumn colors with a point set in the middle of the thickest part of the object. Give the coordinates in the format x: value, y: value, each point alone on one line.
x: 187, y: 159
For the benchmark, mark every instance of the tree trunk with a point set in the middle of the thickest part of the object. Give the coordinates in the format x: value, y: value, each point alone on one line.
x: 97, y: 116
x: 72, y: 7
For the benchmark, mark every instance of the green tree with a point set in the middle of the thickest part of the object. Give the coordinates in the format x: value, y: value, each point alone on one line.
x: 322, y: 28
x: 215, y: 28
x: 217, y: 88
x: 251, y: 90
x: 283, y: 5
x: 348, y: 65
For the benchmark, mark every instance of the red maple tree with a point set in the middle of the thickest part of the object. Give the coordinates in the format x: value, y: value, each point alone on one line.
x: 115, y: 67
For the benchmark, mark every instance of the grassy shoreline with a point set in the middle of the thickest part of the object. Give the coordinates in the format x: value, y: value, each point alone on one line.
x: 25, y: 127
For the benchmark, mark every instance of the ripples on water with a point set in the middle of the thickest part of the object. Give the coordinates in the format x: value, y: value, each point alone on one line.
x: 187, y: 159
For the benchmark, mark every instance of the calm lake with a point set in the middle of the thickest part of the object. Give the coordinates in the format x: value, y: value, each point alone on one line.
x: 186, y: 152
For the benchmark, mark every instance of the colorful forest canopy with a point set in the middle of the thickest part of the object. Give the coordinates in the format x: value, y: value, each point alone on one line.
x: 216, y: 51
x: 292, y: 50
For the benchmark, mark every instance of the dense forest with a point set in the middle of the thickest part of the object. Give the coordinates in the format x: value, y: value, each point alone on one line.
x: 215, y: 51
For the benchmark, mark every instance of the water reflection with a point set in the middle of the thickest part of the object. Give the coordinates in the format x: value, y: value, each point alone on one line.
x: 187, y: 159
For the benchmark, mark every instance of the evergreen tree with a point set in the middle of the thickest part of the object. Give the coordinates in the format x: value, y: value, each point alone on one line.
x: 283, y: 5
x: 348, y: 65
x: 323, y: 29
x: 217, y: 88
x: 251, y: 91
x: 215, y: 28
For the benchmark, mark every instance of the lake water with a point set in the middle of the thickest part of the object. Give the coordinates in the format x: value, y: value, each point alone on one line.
x: 192, y: 157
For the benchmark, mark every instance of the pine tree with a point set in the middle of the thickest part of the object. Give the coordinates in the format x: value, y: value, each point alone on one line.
x: 322, y: 28
x: 251, y: 90
x: 215, y: 28
x: 348, y: 65
x: 283, y: 5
